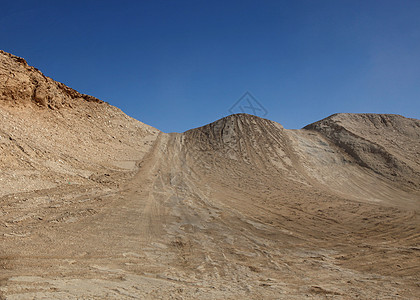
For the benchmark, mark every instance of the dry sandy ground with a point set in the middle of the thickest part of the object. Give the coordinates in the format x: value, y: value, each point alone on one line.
x: 96, y: 205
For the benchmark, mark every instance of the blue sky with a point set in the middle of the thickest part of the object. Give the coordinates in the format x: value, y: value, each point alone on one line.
x: 176, y: 65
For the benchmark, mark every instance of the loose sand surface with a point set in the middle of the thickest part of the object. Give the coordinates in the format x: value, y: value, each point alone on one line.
x: 97, y: 205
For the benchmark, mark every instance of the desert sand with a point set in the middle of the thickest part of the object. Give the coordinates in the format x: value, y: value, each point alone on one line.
x: 97, y: 205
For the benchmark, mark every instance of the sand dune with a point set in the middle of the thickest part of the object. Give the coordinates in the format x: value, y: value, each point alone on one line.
x: 97, y: 205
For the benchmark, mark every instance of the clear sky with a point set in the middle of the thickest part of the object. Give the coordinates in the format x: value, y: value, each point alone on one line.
x: 176, y: 65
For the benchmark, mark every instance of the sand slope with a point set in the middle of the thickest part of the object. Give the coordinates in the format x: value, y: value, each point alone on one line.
x: 96, y: 205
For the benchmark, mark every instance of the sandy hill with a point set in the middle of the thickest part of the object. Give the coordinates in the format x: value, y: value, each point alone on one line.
x: 51, y: 135
x: 386, y: 144
x: 95, y: 205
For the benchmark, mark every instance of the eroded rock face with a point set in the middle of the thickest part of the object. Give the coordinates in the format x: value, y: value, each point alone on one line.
x: 21, y: 84
x: 51, y: 134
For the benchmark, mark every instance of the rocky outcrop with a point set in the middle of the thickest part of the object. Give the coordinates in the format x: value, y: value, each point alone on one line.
x: 51, y: 134
x: 21, y: 84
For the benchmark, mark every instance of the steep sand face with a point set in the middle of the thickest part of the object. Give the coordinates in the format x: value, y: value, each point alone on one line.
x: 319, y: 156
x: 96, y: 205
x: 389, y: 145
x: 245, y: 139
